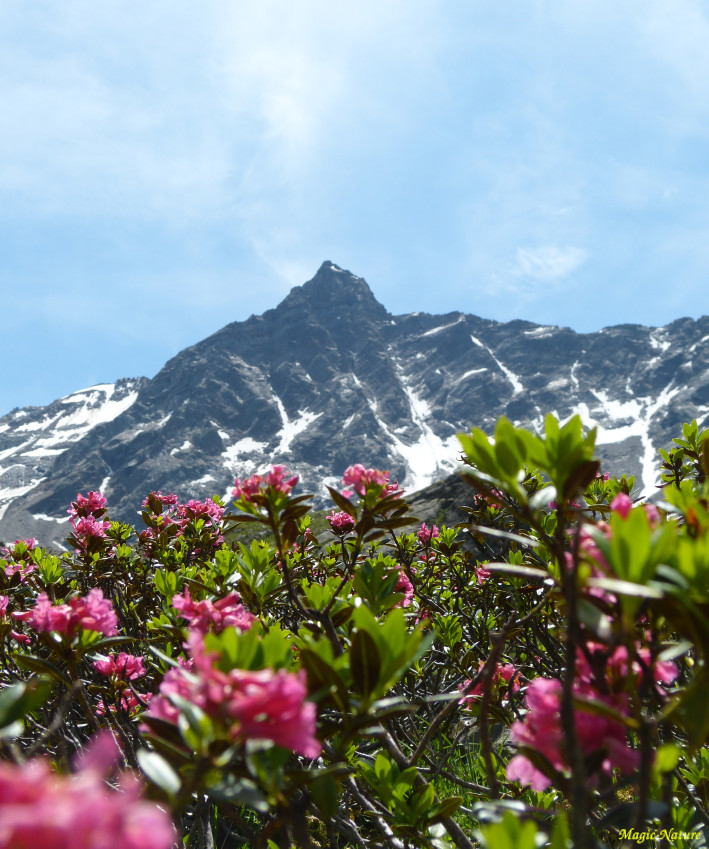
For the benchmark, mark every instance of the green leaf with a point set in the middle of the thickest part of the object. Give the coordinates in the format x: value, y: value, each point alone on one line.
x: 323, y: 676
x: 511, y: 833
x: 159, y: 771
x: 325, y: 795
x: 39, y: 664
x: 666, y: 758
x: 627, y: 588
x: 343, y: 503
x: 528, y: 572
x: 19, y: 699
x: 446, y: 809
x: 365, y: 662
x: 560, y: 834
x: 112, y: 642
x: 240, y: 791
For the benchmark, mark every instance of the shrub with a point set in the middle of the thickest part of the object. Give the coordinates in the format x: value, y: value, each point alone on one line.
x: 377, y: 682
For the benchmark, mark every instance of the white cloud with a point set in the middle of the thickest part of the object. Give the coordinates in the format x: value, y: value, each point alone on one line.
x: 548, y: 263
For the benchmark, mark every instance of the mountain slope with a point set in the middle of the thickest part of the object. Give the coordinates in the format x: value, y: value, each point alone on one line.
x: 329, y: 378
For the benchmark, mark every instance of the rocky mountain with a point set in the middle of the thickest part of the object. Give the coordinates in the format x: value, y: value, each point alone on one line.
x: 329, y: 378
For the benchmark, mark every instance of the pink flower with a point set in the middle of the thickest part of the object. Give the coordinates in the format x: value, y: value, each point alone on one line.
x: 501, y: 678
x: 494, y: 500
x: 404, y: 585
x: 622, y: 505
x: 609, y: 670
x: 125, y: 666
x: 202, y: 509
x: 41, y: 810
x: 24, y: 545
x: 341, y: 522
x: 523, y: 770
x: 275, y: 481
x: 91, y: 613
x: 48, y: 617
x: 261, y: 705
x: 270, y: 705
x: 481, y: 574
x: 96, y: 613
x: 88, y: 527
x: 591, y: 552
x: 20, y: 555
x: 360, y: 479
x: 541, y: 730
x: 425, y: 534
x: 175, y: 682
x: 224, y: 613
x: 4, y: 601
x: 168, y: 500
x: 127, y: 703
x: 93, y: 505
x: 652, y: 513
x: 19, y: 637
x: 247, y: 488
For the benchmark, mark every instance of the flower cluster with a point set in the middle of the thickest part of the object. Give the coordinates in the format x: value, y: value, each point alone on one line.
x: 541, y: 730
x: 86, y: 516
x: 340, y: 523
x: 89, y: 613
x: 622, y: 504
x: 125, y: 702
x: 125, y: 666
x: 94, y: 504
x: 159, y: 501
x: 275, y: 481
x: 361, y: 480
x: 404, y: 585
x: 253, y: 705
x: 426, y: 534
x: 166, y: 516
x: 505, y: 680
x: 224, y: 613
x: 493, y: 499
x: 41, y: 809
x: 607, y: 671
x: 601, y: 676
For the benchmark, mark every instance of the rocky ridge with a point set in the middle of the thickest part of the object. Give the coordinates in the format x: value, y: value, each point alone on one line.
x: 329, y: 378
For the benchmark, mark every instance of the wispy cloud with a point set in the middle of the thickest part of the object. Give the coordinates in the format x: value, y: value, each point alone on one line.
x: 548, y: 263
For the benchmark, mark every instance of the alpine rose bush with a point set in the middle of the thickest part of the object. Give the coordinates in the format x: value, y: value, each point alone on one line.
x: 360, y: 677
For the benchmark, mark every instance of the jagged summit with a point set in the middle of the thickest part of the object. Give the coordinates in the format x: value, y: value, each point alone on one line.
x: 328, y: 378
x: 334, y: 291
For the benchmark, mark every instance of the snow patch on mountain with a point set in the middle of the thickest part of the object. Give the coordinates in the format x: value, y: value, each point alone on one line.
x: 33, y: 443
x: 291, y: 427
x: 637, y: 415
x: 511, y: 376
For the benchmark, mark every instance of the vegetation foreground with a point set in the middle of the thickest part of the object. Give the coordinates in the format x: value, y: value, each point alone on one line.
x: 537, y: 677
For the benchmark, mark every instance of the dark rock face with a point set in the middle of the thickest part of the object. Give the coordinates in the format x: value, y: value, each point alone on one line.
x: 329, y: 378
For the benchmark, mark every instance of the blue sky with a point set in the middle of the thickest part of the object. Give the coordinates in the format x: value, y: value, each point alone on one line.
x: 170, y: 166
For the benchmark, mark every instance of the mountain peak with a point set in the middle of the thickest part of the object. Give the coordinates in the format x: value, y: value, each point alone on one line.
x: 327, y: 379
x: 335, y: 288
